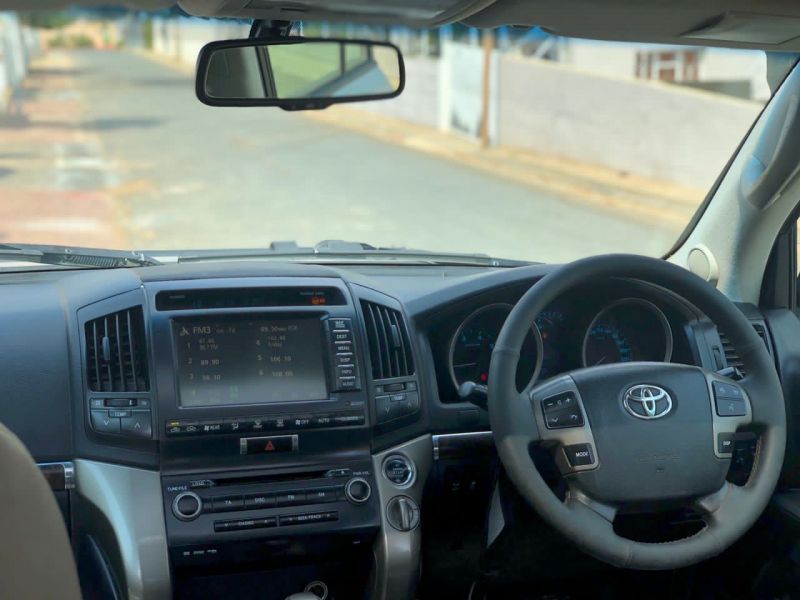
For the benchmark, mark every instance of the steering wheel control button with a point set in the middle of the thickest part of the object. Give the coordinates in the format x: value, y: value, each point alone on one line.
x: 725, y: 443
x: 727, y: 390
x: 579, y: 455
x: 402, y: 513
x: 727, y: 407
x: 399, y: 470
x: 729, y: 399
x: 357, y: 490
x: 187, y: 506
x: 562, y: 410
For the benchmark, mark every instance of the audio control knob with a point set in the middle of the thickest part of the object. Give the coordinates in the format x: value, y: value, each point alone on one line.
x: 187, y: 506
x: 357, y: 490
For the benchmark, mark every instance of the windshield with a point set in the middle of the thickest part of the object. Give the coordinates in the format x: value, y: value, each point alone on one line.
x: 514, y: 144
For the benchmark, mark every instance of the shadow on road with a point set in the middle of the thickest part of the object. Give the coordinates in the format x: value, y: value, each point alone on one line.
x: 17, y: 121
x: 55, y: 72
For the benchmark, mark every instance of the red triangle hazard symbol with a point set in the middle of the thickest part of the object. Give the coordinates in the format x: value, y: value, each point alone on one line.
x: 270, y: 447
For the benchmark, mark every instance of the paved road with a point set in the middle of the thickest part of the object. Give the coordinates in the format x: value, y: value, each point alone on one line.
x: 115, y: 150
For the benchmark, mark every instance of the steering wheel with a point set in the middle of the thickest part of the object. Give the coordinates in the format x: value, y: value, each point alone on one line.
x: 639, y: 434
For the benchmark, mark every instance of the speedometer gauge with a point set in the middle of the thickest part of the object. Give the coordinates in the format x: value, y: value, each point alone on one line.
x: 472, y: 345
x: 628, y: 330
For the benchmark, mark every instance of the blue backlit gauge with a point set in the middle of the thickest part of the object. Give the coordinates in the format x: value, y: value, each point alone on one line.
x: 625, y: 331
x: 607, y: 344
x: 472, y: 344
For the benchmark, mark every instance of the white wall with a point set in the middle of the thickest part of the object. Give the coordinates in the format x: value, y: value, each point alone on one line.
x: 18, y: 45
x: 420, y: 100
x: 647, y: 128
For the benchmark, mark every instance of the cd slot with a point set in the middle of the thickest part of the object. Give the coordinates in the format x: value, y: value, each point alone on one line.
x: 263, y: 479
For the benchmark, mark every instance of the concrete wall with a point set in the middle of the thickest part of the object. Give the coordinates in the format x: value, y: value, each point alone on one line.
x: 18, y: 44
x: 647, y: 128
x: 419, y: 102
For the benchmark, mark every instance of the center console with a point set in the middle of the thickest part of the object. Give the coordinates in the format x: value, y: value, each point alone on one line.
x: 275, y: 422
x: 264, y: 421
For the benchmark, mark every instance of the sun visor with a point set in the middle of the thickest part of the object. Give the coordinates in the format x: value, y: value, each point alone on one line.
x: 748, y: 28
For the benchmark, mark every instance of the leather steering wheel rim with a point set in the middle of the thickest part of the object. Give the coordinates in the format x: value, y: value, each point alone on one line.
x: 517, y: 424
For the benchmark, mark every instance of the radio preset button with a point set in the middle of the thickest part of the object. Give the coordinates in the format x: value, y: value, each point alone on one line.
x: 321, y: 496
x: 256, y: 501
x: 290, y: 499
x: 228, y: 503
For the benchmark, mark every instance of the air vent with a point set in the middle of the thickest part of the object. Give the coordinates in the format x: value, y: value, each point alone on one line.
x: 389, y: 344
x: 732, y: 357
x: 116, y: 357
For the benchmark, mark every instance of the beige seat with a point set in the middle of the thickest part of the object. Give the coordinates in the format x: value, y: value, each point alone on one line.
x: 36, y: 559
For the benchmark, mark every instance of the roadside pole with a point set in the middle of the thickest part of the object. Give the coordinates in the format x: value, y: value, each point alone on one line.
x: 488, y: 47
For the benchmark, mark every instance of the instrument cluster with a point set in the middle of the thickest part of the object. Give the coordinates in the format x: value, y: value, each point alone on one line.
x: 567, y: 335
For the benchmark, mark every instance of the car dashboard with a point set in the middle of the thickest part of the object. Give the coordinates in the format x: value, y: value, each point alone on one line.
x: 210, y: 426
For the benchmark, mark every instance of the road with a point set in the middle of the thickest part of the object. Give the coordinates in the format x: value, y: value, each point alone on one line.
x: 113, y: 149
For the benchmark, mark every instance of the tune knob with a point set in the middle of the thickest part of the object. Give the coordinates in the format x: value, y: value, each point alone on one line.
x: 186, y: 506
x: 357, y: 490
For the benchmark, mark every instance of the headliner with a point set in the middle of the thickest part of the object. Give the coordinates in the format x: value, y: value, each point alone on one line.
x: 767, y: 24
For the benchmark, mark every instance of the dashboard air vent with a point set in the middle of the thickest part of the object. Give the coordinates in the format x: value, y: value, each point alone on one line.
x: 389, y: 344
x: 732, y: 357
x: 116, y: 357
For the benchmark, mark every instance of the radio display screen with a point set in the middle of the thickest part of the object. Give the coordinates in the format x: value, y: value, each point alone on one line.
x: 249, y: 360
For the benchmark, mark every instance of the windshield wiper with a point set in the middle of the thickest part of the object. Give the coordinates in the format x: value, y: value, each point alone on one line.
x: 74, y: 256
x: 339, y: 251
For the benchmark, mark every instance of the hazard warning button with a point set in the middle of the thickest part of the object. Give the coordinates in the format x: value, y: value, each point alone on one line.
x: 268, y: 445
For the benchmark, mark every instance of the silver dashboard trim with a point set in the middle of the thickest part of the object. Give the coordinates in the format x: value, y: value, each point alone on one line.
x: 68, y: 470
x: 479, y: 436
x: 397, y: 553
x: 131, y: 501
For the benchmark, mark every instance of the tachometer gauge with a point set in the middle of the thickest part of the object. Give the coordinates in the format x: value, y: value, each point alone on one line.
x: 472, y: 345
x: 628, y: 330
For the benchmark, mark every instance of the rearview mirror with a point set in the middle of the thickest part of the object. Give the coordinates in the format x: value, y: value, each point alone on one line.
x: 298, y: 73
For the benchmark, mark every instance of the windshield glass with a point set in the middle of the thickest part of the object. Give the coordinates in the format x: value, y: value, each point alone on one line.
x: 515, y: 144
